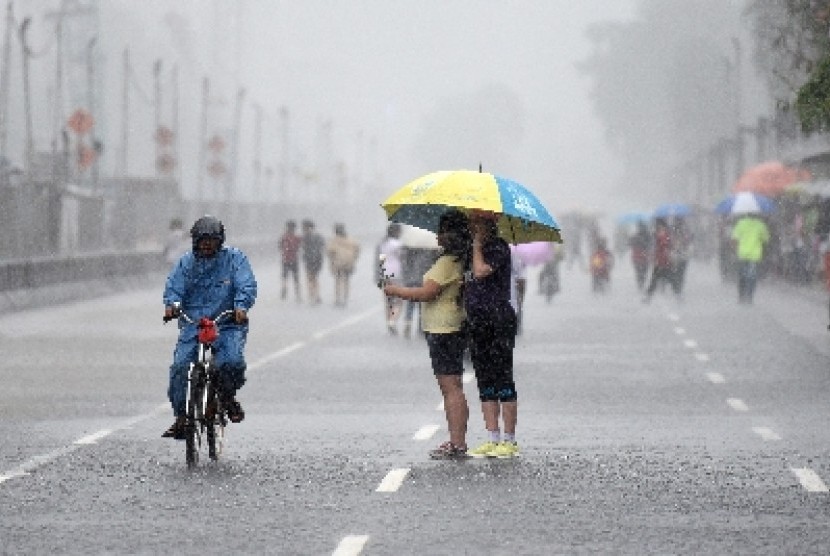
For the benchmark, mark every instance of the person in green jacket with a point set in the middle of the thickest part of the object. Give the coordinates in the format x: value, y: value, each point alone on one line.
x: 750, y: 235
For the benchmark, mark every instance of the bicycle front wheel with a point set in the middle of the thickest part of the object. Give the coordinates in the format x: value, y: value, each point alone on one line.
x: 194, y: 415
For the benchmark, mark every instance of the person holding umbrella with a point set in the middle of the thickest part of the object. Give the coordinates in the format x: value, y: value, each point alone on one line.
x: 500, y: 210
x: 492, y: 324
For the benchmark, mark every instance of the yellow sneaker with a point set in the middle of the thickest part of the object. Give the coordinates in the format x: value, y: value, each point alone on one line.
x: 504, y: 450
x: 483, y: 450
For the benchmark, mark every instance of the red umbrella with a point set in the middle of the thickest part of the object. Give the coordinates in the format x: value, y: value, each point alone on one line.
x: 769, y: 178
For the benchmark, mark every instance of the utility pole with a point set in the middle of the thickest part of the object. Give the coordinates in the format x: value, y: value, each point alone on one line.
x: 285, y: 163
x: 257, y: 152
x: 4, y: 81
x: 157, y: 113
x: 175, y: 126
x: 231, y: 185
x: 27, y: 98
x: 200, y: 185
x: 90, y: 91
x: 125, y: 114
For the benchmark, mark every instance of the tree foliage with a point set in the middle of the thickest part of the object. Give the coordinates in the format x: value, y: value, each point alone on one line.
x: 791, y: 52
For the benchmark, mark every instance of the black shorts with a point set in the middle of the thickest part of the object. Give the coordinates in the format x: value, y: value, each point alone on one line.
x: 446, y: 351
x: 491, y: 350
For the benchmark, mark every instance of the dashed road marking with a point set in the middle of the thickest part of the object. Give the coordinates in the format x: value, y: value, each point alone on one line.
x: 36, y: 461
x: 673, y: 317
x: 679, y: 331
x: 809, y: 479
x: 715, y: 378
x: 766, y: 433
x: 691, y: 344
x: 393, y: 480
x: 276, y: 355
x: 737, y: 404
x: 94, y: 437
x: 426, y: 432
x: 351, y: 545
x: 702, y: 357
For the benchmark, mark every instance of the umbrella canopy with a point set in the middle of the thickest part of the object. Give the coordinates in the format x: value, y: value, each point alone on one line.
x: 769, y: 178
x: 417, y: 238
x: 818, y: 187
x: 633, y: 217
x: 521, y: 216
x: 534, y: 253
x: 672, y: 209
x: 745, y: 202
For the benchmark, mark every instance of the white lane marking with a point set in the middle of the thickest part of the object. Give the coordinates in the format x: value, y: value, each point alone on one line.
x: 94, y: 437
x: 691, y: 344
x: 679, y: 331
x: 673, y: 317
x: 348, y: 322
x: 351, y: 545
x: 766, y: 434
x: 36, y: 461
x: 276, y: 355
x: 702, y: 357
x: 467, y: 377
x: 715, y: 378
x: 393, y: 480
x: 737, y: 404
x: 809, y: 479
x: 426, y: 432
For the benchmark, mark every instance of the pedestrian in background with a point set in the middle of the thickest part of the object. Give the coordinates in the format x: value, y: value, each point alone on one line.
x: 342, y: 253
x: 750, y: 235
x: 663, y: 270
x: 313, y: 245
x: 289, y: 245
x: 177, y: 242
x: 391, y: 248
x: 442, y: 318
x: 681, y: 250
x: 492, y: 328
x: 518, y: 286
x: 640, y: 243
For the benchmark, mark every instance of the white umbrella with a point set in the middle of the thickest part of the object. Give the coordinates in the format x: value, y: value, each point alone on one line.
x: 418, y: 238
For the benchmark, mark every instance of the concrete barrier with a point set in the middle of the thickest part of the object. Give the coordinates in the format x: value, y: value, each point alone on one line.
x: 39, y: 282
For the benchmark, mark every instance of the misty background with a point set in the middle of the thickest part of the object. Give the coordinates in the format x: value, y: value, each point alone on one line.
x: 591, y: 104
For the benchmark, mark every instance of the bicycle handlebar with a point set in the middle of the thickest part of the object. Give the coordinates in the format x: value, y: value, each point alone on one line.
x: 182, y: 315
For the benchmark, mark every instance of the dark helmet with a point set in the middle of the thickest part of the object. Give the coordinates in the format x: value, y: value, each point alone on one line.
x: 207, y: 226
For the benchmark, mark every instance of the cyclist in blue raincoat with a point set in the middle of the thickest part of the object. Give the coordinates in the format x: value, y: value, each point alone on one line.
x: 204, y: 282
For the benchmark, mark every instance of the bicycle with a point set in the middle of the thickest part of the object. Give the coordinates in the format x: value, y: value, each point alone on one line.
x: 205, y: 412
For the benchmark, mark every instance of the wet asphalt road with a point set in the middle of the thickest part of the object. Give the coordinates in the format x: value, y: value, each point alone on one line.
x: 668, y: 428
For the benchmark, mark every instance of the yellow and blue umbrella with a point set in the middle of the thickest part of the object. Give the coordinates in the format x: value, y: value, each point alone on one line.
x: 521, y: 216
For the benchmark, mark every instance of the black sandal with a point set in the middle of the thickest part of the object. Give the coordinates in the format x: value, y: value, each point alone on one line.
x: 176, y: 430
x: 235, y: 412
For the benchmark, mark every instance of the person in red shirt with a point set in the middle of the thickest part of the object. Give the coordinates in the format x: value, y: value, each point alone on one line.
x: 289, y: 248
x: 663, y: 265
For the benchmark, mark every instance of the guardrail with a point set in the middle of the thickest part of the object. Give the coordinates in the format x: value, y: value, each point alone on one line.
x: 50, y: 271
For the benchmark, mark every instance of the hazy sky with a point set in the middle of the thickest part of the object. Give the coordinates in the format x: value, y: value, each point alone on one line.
x: 379, y: 70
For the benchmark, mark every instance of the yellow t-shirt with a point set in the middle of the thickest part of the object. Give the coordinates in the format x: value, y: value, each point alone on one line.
x: 444, y: 314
